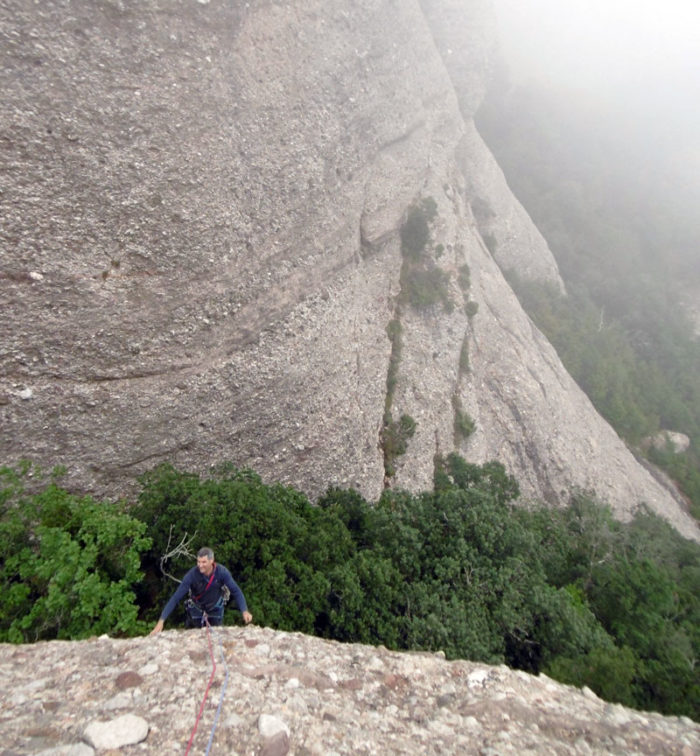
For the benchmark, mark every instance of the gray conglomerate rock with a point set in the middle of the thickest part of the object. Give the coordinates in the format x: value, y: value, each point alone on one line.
x: 667, y: 439
x: 121, y: 731
x: 275, y: 692
x: 201, y: 206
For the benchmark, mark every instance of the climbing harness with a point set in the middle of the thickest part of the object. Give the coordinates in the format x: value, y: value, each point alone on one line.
x: 205, y: 623
x: 195, y: 611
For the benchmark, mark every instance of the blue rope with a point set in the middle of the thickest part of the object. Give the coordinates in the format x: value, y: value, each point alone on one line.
x: 221, y: 698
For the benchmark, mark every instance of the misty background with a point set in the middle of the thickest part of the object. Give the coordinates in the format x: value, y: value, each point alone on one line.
x: 622, y: 72
x: 593, y: 114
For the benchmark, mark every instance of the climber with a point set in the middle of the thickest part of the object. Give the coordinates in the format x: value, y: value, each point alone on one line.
x: 209, y: 585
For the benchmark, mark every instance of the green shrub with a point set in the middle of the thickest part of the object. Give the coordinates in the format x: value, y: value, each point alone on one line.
x: 571, y: 592
x: 415, y: 231
x: 423, y: 284
x: 464, y: 426
x: 70, y: 563
x: 394, y: 439
x: 394, y: 331
x: 425, y: 288
x: 610, y: 672
x: 277, y: 545
x: 640, y: 581
x: 471, y: 308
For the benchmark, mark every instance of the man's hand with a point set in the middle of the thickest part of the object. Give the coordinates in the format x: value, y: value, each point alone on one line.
x: 159, y: 627
x: 247, y: 617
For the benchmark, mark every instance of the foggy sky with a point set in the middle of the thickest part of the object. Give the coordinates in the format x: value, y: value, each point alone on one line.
x: 638, y: 59
x: 601, y: 45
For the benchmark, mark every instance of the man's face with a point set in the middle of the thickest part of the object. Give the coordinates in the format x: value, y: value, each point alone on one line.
x: 205, y: 565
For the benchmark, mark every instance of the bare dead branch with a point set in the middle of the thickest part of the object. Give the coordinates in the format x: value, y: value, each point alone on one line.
x: 182, y: 549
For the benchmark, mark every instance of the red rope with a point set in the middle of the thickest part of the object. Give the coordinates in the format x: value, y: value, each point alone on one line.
x: 206, y: 692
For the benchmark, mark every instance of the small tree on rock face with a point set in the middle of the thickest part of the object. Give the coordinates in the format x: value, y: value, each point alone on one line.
x: 415, y: 232
x: 423, y: 283
x: 395, y: 437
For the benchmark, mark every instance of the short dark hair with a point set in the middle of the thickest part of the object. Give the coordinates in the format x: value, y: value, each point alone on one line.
x: 205, y: 551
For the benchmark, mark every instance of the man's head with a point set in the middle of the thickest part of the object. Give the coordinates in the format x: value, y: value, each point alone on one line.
x: 205, y: 561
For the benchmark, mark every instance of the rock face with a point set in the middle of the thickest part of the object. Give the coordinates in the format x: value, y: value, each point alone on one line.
x: 277, y: 693
x: 202, y: 205
x: 677, y: 442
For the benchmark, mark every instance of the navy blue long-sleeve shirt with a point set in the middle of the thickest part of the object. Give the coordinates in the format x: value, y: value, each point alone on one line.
x: 205, y: 597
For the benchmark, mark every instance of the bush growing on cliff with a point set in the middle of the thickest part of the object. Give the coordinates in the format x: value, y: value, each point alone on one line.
x: 464, y: 426
x: 471, y: 308
x: 423, y: 284
x: 415, y: 231
x: 69, y: 563
x: 394, y: 331
x: 394, y: 439
x: 426, y: 288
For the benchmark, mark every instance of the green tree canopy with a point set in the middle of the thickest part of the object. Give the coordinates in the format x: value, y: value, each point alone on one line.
x: 69, y: 563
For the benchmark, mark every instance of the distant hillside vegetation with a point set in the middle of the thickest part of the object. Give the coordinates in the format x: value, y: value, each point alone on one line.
x: 612, y: 196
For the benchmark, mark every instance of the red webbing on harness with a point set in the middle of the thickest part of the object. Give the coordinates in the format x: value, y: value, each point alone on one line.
x: 206, y: 692
x: 206, y: 588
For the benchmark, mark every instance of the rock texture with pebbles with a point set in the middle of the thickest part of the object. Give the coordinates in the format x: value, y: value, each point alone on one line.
x: 286, y: 693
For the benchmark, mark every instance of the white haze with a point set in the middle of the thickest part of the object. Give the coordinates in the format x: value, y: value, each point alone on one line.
x: 601, y: 45
x: 634, y: 62
x: 640, y: 58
